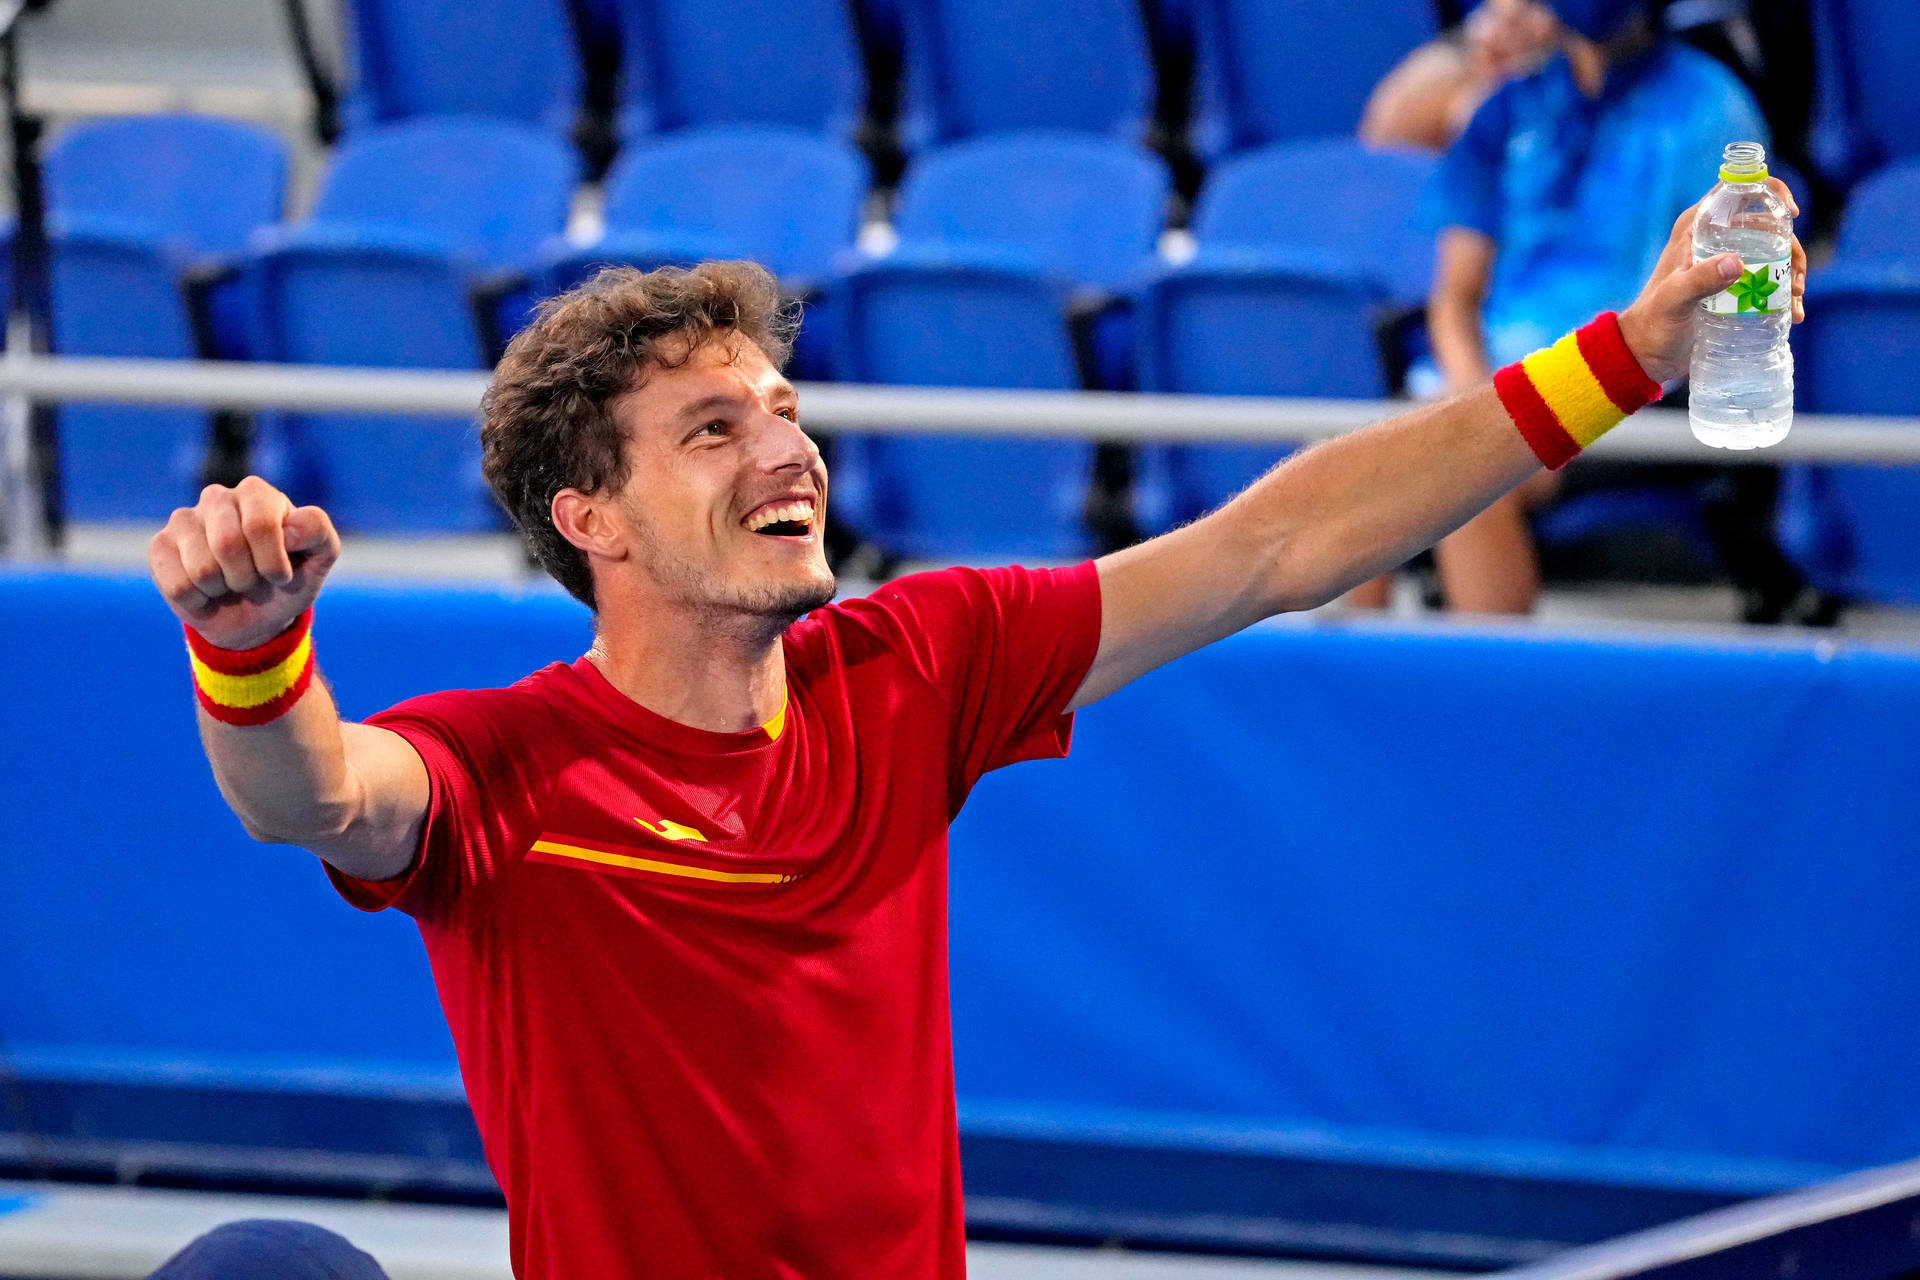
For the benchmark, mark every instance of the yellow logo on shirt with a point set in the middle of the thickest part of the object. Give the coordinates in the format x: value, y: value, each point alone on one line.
x: 668, y: 829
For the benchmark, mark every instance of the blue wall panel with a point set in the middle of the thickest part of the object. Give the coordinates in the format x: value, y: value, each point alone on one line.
x: 1623, y: 910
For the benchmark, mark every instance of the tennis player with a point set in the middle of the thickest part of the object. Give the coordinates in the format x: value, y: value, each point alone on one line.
x: 685, y: 896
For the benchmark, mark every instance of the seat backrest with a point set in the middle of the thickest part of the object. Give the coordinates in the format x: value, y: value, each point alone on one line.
x: 374, y: 305
x: 1882, y: 220
x: 954, y: 326
x: 1878, y: 52
x: 1316, y: 333
x: 785, y: 197
x: 988, y: 66
x: 692, y: 63
x: 117, y: 295
x: 1296, y: 68
x: 1328, y: 196
x: 1855, y: 352
x: 160, y: 170
x: 489, y: 189
x: 510, y: 59
x: 1086, y: 208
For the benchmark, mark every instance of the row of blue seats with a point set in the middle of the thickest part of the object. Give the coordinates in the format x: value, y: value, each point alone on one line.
x: 415, y: 222
x: 1267, y: 70
x: 1000, y: 239
x: 971, y: 67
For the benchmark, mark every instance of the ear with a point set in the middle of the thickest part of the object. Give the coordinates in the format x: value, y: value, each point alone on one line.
x: 588, y: 523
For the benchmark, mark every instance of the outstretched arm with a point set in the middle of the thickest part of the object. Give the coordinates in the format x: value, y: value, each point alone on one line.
x: 240, y: 569
x: 1334, y: 515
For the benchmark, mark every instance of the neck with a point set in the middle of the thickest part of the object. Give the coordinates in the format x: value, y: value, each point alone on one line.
x: 1591, y: 63
x: 722, y: 672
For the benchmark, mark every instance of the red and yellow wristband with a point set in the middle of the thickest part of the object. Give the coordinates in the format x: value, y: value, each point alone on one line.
x: 253, y: 686
x: 1568, y: 395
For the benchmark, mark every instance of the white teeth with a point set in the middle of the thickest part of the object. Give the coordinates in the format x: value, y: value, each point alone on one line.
x: 801, y: 511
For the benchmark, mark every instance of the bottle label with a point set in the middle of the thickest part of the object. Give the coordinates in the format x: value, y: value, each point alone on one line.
x: 1762, y: 288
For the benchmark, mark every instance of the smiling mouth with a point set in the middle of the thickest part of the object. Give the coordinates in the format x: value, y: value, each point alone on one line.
x: 784, y: 520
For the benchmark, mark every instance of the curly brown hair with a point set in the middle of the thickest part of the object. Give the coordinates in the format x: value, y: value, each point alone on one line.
x: 547, y: 418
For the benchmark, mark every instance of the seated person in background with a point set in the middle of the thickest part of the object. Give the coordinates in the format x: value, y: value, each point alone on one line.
x: 1552, y: 205
x: 1427, y: 99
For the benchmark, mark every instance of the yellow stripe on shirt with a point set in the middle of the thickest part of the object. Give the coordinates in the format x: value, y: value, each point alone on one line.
x: 605, y: 858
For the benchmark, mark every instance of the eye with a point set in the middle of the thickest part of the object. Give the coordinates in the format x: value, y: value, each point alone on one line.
x: 709, y: 431
x: 790, y: 414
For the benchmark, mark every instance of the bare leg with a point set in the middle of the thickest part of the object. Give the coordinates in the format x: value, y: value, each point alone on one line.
x: 1375, y: 593
x: 1488, y: 565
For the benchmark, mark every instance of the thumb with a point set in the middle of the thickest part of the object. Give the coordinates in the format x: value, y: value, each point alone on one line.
x: 1703, y: 280
x: 310, y: 530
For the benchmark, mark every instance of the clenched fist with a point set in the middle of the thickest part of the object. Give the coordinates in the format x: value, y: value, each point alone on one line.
x: 242, y: 563
x: 1658, y: 326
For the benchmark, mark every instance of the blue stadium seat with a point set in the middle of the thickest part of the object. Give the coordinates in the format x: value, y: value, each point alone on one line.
x: 689, y: 64
x: 508, y: 59
x: 116, y: 293
x: 1882, y: 221
x: 1330, y: 196
x: 160, y: 170
x: 1086, y: 208
x: 962, y: 321
x: 1875, y: 46
x: 1854, y: 529
x: 490, y: 189
x: 1292, y: 69
x: 1236, y: 322
x: 786, y: 198
x: 411, y: 225
x: 998, y: 237
x: 990, y: 66
x: 129, y: 220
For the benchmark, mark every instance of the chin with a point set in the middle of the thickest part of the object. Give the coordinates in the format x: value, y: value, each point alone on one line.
x: 789, y: 600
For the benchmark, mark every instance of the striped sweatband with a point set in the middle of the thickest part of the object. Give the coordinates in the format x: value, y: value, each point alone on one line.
x: 253, y: 686
x: 1568, y: 395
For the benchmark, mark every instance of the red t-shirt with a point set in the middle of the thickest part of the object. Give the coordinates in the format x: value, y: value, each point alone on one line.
x: 698, y: 981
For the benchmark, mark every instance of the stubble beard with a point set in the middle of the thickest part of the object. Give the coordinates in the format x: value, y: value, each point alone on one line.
x: 755, y: 610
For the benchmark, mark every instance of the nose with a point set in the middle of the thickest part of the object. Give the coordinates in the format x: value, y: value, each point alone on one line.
x: 780, y: 445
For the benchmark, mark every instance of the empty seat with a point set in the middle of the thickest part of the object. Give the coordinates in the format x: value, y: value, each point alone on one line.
x: 989, y: 66
x: 129, y: 223
x: 1853, y: 528
x: 1296, y: 69
x: 1882, y: 222
x: 161, y: 170
x: 1306, y: 243
x: 395, y: 268
x: 785, y: 198
x: 508, y: 59
x: 1248, y: 323
x: 997, y: 236
x: 1875, y: 46
x: 690, y: 64
x: 1330, y: 196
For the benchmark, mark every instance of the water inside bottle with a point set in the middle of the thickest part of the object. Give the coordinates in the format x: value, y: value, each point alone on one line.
x: 1742, y: 385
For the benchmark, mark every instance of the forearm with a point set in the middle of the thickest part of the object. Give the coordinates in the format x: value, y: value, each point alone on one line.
x: 291, y: 770
x: 287, y: 781
x: 1337, y: 514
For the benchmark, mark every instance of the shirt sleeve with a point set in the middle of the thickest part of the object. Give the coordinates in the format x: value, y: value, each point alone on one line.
x: 1007, y: 648
x: 486, y: 790
x: 1464, y: 190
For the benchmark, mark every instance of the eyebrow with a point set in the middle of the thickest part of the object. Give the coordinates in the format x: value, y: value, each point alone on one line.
x: 728, y: 399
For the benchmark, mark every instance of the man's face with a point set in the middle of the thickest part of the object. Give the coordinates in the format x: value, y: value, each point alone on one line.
x: 725, y: 497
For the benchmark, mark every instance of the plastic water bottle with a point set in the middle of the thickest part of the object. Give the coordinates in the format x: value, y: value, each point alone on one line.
x: 1741, y: 393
